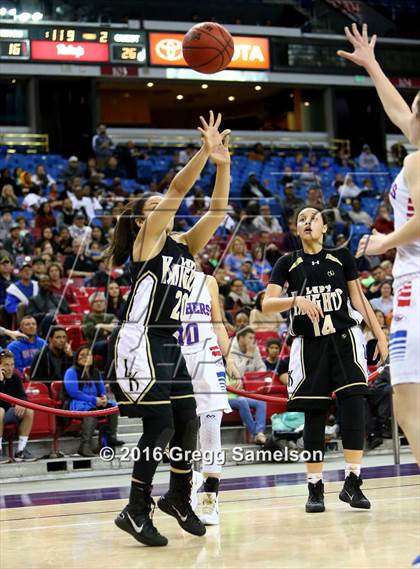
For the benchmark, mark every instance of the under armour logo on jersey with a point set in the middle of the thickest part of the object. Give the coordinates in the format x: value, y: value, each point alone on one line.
x: 331, y: 273
x: 315, y: 262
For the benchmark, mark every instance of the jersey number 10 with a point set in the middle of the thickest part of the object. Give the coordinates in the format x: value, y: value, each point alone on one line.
x: 327, y: 327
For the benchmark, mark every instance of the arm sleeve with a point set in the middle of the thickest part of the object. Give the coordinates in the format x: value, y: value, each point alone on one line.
x: 11, y: 303
x: 72, y: 387
x: 280, y: 271
x: 351, y: 271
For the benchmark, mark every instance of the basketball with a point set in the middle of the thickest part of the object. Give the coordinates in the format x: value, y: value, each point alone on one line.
x: 208, y: 47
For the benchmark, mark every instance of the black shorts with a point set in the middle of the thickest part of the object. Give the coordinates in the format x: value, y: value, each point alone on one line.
x: 322, y: 366
x: 150, y: 372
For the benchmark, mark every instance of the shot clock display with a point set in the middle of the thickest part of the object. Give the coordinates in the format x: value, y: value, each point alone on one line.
x: 72, y: 44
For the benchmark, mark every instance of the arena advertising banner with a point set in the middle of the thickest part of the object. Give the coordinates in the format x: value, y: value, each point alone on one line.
x: 165, y: 49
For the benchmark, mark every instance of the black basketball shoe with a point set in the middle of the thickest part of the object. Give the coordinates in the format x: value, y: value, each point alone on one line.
x: 136, y: 518
x: 315, y: 501
x: 352, y: 494
x: 176, y: 502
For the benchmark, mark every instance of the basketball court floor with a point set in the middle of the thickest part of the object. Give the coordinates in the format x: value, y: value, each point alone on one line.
x: 69, y: 524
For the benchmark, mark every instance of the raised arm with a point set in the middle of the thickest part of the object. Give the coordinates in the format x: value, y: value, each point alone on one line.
x: 364, y: 55
x: 199, y: 235
x: 152, y: 231
x: 379, y: 243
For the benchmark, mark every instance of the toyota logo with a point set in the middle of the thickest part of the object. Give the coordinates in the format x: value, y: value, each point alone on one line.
x: 169, y: 49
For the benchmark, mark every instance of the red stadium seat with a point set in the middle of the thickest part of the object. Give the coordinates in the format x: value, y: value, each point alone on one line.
x: 264, y: 336
x: 44, y: 424
x: 124, y: 290
x: 253, y: 380
x: 70, y: 319
x: 91, y: 289
x: 75, y: 336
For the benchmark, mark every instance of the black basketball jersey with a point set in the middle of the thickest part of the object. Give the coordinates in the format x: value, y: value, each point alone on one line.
x: 160, y: 289
x: 321, y: 278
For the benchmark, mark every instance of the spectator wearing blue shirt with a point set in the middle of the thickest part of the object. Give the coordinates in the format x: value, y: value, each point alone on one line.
x: 249, y: 278
x: 86, y: 391
x: 25, y: 349
x: 237, y: 255
x: 21, y: 291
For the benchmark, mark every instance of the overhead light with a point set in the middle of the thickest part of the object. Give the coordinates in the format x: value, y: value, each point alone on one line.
x: 12, y: 12
x: 306, y: 103
x: 24, y: 17
x: 150, y: 84
x: 3, y: 12
x: 231, y: 98
x: 258, y: 87
x: 180, y: 97
x: 291, y: 95
x: 37, y: 16
x: 204, y: 86
x: 13, y: 80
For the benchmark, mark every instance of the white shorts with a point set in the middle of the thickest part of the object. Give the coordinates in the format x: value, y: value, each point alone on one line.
x: 208, y: 376
x: 404, y: 339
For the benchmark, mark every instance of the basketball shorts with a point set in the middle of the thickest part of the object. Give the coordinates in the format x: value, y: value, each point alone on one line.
x: 208, y: 376
x: 322, y: 366
x: 149, y: 371
x: 404, y: 339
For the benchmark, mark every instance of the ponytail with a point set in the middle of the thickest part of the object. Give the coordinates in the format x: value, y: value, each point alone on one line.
x: 126, y: 230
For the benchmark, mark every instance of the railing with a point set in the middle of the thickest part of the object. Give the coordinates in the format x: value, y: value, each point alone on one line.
x: 24, y: 142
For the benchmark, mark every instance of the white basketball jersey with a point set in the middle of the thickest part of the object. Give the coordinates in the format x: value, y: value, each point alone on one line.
x: 197, y: 328
x: 407, y: 260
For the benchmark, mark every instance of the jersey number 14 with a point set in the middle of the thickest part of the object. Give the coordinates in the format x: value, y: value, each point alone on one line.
x: 327, y: 327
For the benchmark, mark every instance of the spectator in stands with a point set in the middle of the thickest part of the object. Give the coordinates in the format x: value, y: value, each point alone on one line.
x: 290, y: 203
x: 39, y: 268
x: 257, y: 153
x: 337, y: 182
x: 186, y: 155
x: 223, y: 280
x: 74, y: 169
x: 47, y: 236
x: 44, y: 216
x: 357, y: 215
x: 343, y: 159
x: 260, y: 266
x: 8, y: 200
x: 245, y: 226
x: 270, y: 250
x: 98, y: 324
x: 252, y: 189
x: 199, y: 203
x: 349, y: 188
x: 266, y: 222
x: 17, y: 245
x: 315, y: 198
x: 66, y: 217
x: 46, y: 305
x: 33, y: 200
x: 287, y: 176
x: 238, y: 295
x: 79, y: 229
x: 41, y: 179
x: 55, y: 272
x: 307, y: 177
x: 26, y: 185
x: 236, y: 256
x: 6, y: 222
x: 77, y: 264
x: 378, y: 404
x: 384, y: 302
x: 6, y: 277
x: 11, y: 384
x: 273, y: 347
x: 52, y: 362
x: 7, y: 178
x: 19, y: 292
x: 387, y: 267
x: 264, y: 322
x: 64, y: 242
x: 86, y: 391
x: 367, y: 160
x: 245, y: 354
x: 367, y: 189
x: 378, y: 274
x: 398, y: 154
x: 102, y: 146
x: 91, y: 204
x: 113, y: 169
x: 383, y: 222
x: 114, y: 299
x: 25, y: 349
x: 248, y: 277
x: 241, y: 320
x: 291, y: 241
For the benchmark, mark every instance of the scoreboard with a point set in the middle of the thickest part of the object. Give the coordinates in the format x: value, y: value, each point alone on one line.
x: 72, y: 44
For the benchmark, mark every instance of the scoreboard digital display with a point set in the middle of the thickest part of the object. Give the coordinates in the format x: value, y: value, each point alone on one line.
x: 75, y: 44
